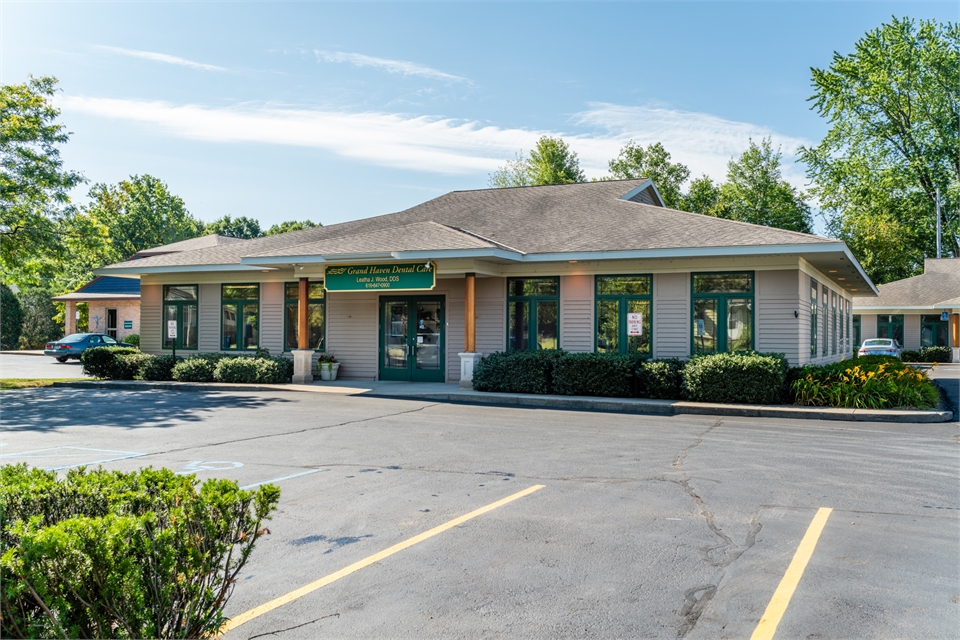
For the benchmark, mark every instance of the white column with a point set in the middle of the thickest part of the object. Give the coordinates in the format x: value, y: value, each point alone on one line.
x: 302, y: 366
x: 468, y: 363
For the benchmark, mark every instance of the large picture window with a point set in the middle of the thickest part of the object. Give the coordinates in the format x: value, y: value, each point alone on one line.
x: 624, y: 320
x: 533, y: 313
x: 240, y: 317
x: 722, y: 312
x: 933, y: 331
x: 316, y: 314
x: 180, y: 307
x: 889, y: 326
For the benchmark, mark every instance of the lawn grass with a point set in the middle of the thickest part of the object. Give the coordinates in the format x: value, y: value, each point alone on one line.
x: 27, y: 383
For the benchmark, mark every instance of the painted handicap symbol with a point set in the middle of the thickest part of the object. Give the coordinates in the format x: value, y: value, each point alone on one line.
x: 195, y: 466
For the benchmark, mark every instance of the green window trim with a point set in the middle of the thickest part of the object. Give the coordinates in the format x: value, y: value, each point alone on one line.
x: 934, y: 332
x: 833, y: 318
x: 726, y: 297
x: 890, y: 326
x: 814, y: 320
x: 825, y: 346
x: 317, y: 303
x: 180, y: 303
x: 241, y: 299
x: 625, y: 302
x: 856, y: 331
x: 532, y: 304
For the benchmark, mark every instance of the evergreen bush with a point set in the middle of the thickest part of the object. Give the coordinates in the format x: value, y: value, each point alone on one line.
x: 194, y: 369
x: 593, y: 374
x: 129, y: 366
x: 661, y: 379
x: 158, y: 368
x: 911, y: 356
x: 133, y: 338
x: 105, y: 554
x: 750, y: 378
x: 243, y: 369
x: 102, y: 362
x: 935, y: 354
x: 517, y: 371
x: 11, y: 319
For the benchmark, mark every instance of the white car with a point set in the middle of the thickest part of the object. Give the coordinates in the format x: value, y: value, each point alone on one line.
x: 881, y: 347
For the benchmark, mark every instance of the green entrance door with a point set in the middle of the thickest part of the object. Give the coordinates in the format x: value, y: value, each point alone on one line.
x: 411, y: 338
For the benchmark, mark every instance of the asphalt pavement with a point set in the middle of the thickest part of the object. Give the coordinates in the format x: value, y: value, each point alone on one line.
x: 37, y: 365
x: 619, y: 525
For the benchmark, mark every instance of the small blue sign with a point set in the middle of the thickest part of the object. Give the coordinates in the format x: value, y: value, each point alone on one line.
x: 128, y: 324
x: 944, y: 315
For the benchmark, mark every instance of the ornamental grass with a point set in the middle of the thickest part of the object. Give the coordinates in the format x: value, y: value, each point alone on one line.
x: 871, y: 383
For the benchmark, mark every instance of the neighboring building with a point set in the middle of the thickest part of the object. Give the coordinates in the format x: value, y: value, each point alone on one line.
x: 416, y: 295
x: 922, y: 311
x: 114, y: 302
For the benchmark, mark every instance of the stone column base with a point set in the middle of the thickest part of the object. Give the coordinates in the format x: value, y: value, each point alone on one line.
x: 468, y: 362
x: 302, y: 366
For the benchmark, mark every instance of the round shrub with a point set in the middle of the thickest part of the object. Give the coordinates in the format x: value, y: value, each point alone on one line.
x: 128, y: 366
x: 661, y: 379
x: 159, y: 368
x: 196, y: 369
x: 750, y: 378
x: 935, y: 354
x: 101, y: 362
x: 133, y: 338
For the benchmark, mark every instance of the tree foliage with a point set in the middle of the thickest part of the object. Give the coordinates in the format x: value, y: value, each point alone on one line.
x: 290, y: 225
x: 892, y: 106
x: 11, y: 318
x: 239, y: 227
x: 34, y: 185
x: 550, y: 162
x: 653, y: 162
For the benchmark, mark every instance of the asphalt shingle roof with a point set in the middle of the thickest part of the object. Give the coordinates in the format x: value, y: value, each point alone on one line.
x: 548, y: 219
x: 939, y: 283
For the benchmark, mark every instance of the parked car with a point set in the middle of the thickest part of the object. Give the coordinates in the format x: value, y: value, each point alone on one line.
x: 75, y: 344
x: 881, y: 347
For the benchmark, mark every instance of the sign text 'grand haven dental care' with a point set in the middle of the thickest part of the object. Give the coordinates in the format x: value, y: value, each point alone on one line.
x: 413, y: 276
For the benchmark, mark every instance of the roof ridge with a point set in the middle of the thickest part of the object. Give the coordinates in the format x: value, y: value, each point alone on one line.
x: 537, y: 186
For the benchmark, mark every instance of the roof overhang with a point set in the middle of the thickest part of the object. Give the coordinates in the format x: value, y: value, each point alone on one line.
x: 83, y: 297
x: 138, y: 271
x: 485, y: 253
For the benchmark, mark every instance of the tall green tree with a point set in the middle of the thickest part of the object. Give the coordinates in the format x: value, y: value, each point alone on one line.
x: 893, y: 106
x: 291, y: 225
x: 239, y: 227
x: 11, y: 319
x: 756, y: 192
x: 137, y: 214
x: 653, y: 162
x: 34, y: 186
x: 550, y: 162
x: 702, y: 197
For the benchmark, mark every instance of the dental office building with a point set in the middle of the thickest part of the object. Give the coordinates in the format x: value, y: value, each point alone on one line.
x: 421, y: 294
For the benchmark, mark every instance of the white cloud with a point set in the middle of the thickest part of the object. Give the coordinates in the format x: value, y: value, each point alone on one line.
x: 400, y: 67
x: 161, y: 57
x: 703, y: 142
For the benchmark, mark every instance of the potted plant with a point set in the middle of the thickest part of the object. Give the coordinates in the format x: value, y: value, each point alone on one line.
x: 328, y: 366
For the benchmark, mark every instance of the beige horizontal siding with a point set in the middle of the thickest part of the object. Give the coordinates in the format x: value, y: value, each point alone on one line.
x: 911, y: 331
x: 576, y: 313
x: 150, y: 320
x: 352, y: 333
x: 271, y: 317
x: 777, y: 297
x: 491, y: 315
x: 454, y: 293
x: 868, y: 326
x: 209, y: 322
x: 671, y: 315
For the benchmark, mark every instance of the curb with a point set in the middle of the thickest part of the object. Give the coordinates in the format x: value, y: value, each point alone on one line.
x: 576, y: 403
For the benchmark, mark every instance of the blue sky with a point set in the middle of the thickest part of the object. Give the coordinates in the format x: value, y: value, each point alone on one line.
x: 334, y: 112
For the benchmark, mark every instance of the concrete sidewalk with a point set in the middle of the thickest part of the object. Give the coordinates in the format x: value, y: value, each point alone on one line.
x: 452, y: 393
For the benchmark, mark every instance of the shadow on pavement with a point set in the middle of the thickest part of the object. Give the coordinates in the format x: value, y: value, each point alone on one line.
x: 53, y: 409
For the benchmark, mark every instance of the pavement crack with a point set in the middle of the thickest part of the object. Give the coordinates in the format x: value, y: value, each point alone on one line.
x: 273, y: 633
x: 693, y: 606
x: 683, y: 453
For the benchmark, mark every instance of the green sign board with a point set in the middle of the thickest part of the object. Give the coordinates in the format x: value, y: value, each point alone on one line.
x: 414, y: 276
x: 128, y: 324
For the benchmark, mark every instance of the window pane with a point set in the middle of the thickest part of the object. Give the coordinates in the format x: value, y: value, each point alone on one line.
x: 229, y: 327
x: 315, y: 312
x: 169, y: 313
x: 547, y: 337
x: 608, y: 326
x: 291, y: 290
x: 180, y: 292
x: 518, y: 324
x: 316, y: 291
x: 931, y: 318
x: 640, y: 345
x: 292, y: 319
x: 532, y: 287
x: 722, y: 283
x: 739, y: 324
x: 188, y: 328
x: 705, y: 326
x: 636, y: 285
x: 241, y: 292
x: 250, y: 326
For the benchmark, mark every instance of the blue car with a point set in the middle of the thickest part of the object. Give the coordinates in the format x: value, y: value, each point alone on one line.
x: 75, y: 344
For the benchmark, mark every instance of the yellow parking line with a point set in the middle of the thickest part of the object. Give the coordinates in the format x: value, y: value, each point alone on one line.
x: 356, y: 566
x: 781, y: 597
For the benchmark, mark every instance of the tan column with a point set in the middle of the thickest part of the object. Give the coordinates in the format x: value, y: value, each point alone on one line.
x: 956, y: 330
x: 470, y: 314
x: 69, y: 317
x: 303, y: 328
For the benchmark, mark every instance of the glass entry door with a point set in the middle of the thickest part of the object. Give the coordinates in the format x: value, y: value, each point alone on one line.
x: 412, y: 338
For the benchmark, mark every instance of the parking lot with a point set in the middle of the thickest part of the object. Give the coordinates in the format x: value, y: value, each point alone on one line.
x: 633, y: 526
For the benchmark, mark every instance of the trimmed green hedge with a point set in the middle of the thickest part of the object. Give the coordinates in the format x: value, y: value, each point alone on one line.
x: 103, y: 554
x: 935, y: 354
x: 749, y: 378
x: 517, y: 371
x: 593, y: 374
x: 659, y: 379
x: 261, y: 370
x: 159, y: 368
x: 101, y: 362
x: 197, y: 369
